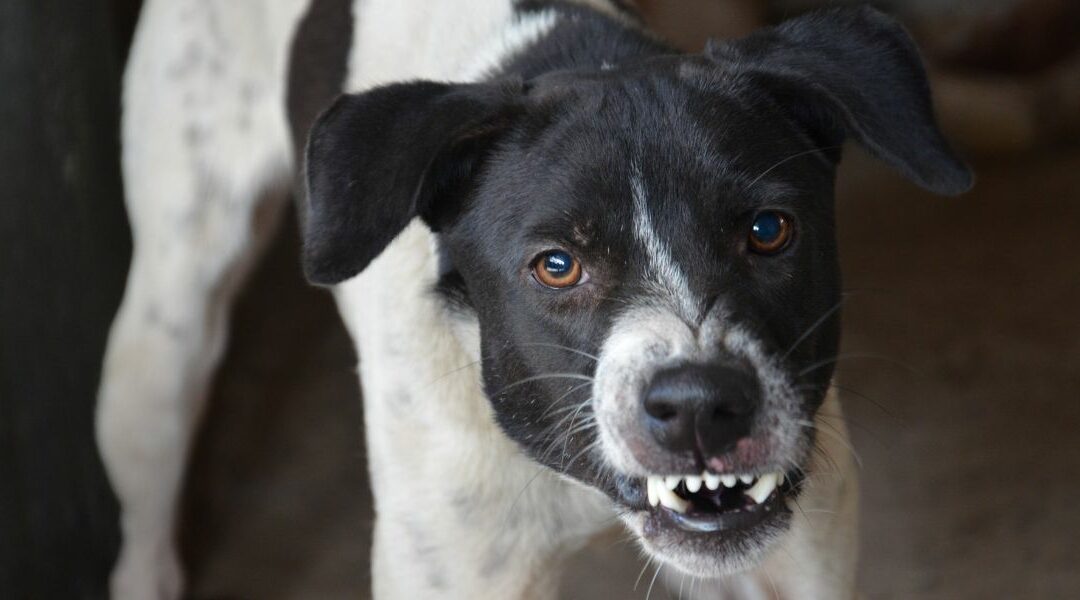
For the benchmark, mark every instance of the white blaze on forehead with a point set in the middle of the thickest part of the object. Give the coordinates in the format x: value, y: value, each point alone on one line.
x: 662, y: 268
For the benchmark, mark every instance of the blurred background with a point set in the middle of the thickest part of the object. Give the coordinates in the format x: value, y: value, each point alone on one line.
x: 961, y: 377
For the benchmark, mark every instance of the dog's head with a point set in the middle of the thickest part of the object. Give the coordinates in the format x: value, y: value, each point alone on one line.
x: 648, y: 251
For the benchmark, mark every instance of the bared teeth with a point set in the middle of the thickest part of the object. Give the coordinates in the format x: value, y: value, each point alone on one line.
x: 661, y: 488
x: 693, y: 483
x: 711, y: 481
x: 673, y: 501
x: 763, y: 488
x: 661, y: 494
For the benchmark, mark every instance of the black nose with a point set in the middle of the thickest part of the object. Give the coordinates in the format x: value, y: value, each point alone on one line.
x: 707, y: 407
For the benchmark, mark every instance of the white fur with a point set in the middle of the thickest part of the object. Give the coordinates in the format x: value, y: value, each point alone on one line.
x: 431, y: 434
x: 666, y: 274
x: 461, y: 512
x: 651, y: 336
x: 522, y: 32
x: 642, y: 340
x: 206, y: 161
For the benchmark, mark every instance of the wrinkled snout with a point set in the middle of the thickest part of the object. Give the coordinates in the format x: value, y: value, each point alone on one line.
x: 701, y: 408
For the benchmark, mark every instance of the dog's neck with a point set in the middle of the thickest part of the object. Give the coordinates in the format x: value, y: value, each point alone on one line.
x: 462, y: 512
x: 451, y: 489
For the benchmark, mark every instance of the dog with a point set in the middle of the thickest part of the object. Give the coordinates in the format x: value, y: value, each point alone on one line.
x: 589, y: 278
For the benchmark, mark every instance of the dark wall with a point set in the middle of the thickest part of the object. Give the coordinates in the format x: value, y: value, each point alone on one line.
x: 64, y: 251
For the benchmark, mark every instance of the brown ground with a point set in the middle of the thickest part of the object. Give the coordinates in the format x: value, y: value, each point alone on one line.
x: 967, y: 426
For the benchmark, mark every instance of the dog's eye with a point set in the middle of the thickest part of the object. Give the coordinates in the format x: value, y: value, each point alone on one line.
x: 557, y: 269
x: 770, y: 232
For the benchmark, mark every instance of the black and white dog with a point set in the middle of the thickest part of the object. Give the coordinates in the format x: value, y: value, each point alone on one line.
x: 588, y: 277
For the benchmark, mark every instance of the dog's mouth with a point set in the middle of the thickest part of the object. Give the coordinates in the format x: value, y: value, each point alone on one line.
x: 710, y: 524
x: 709, y: 502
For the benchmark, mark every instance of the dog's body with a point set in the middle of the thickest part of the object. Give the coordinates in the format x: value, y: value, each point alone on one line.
x: 464, y: 507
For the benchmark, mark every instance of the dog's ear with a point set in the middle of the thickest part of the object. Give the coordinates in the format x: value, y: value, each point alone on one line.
x: 852, y: 72
x: 377, y: 160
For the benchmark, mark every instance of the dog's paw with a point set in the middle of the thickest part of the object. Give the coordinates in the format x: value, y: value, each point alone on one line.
x: 147, y: 572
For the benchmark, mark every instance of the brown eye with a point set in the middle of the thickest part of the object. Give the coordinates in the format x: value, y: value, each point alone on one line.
x: 557, y: 269
x: 770, y: 232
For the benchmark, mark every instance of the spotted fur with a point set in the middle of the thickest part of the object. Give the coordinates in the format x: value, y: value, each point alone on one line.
x: 522, y: 125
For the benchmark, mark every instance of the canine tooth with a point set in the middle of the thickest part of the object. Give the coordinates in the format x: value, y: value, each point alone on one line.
x: 764, y: 486
x: 672, y: 481
x: 672, y: 500
x: 779, y: 479
x: 729, y: 480
x: 711, y: 481
x: 746, y: 479
x: 651, y: 485
x: 693, y: 483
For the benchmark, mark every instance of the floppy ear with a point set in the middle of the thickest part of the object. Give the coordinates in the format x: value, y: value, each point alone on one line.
x: 853, y: 72
x: 376, y: 160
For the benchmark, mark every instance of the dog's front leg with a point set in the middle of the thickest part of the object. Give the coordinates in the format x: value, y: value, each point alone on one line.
x: 206, y: 166
x: 461, y: 512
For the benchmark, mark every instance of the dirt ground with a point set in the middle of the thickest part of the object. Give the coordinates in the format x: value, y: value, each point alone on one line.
x: 960, y: 389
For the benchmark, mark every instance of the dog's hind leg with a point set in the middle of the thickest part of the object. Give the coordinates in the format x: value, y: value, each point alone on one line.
x: 207, y: 162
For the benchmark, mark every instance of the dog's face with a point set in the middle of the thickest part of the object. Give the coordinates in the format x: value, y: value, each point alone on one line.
x: 654, y: 282
x: 649, y: 254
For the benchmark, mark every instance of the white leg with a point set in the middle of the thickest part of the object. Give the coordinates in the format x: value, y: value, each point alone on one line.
x: 206, y: 162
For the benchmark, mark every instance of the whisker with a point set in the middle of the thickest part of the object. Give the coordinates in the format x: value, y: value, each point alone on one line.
x: 456, y: 370
x: 567, y: 435
x: 788, y: 159
x: 588, y: 448
x: 659, y: 567
x: 577, y: 376
x: 821, y: 320
x: 835, y: 434
x: 856, y: 355
x: 831, y: 432
x: 858, y: 394
x: 560, y: 398
x: 644, y: 568
x: 539, y: 471
x: 567, y: 348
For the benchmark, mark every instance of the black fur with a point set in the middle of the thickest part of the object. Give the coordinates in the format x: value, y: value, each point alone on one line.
x: 838, y: 73
x: 412, y: 146
x: 852, y: 73
x: 542, y: 156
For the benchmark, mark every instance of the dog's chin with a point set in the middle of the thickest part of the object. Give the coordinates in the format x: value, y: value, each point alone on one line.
x: 712, y: 533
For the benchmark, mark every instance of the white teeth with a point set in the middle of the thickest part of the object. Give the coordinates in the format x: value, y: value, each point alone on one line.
x: 693, y: 483
x: 711, y: 481
x: 661, y: 489
x: 672, y: 500
x: 763, y: 488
